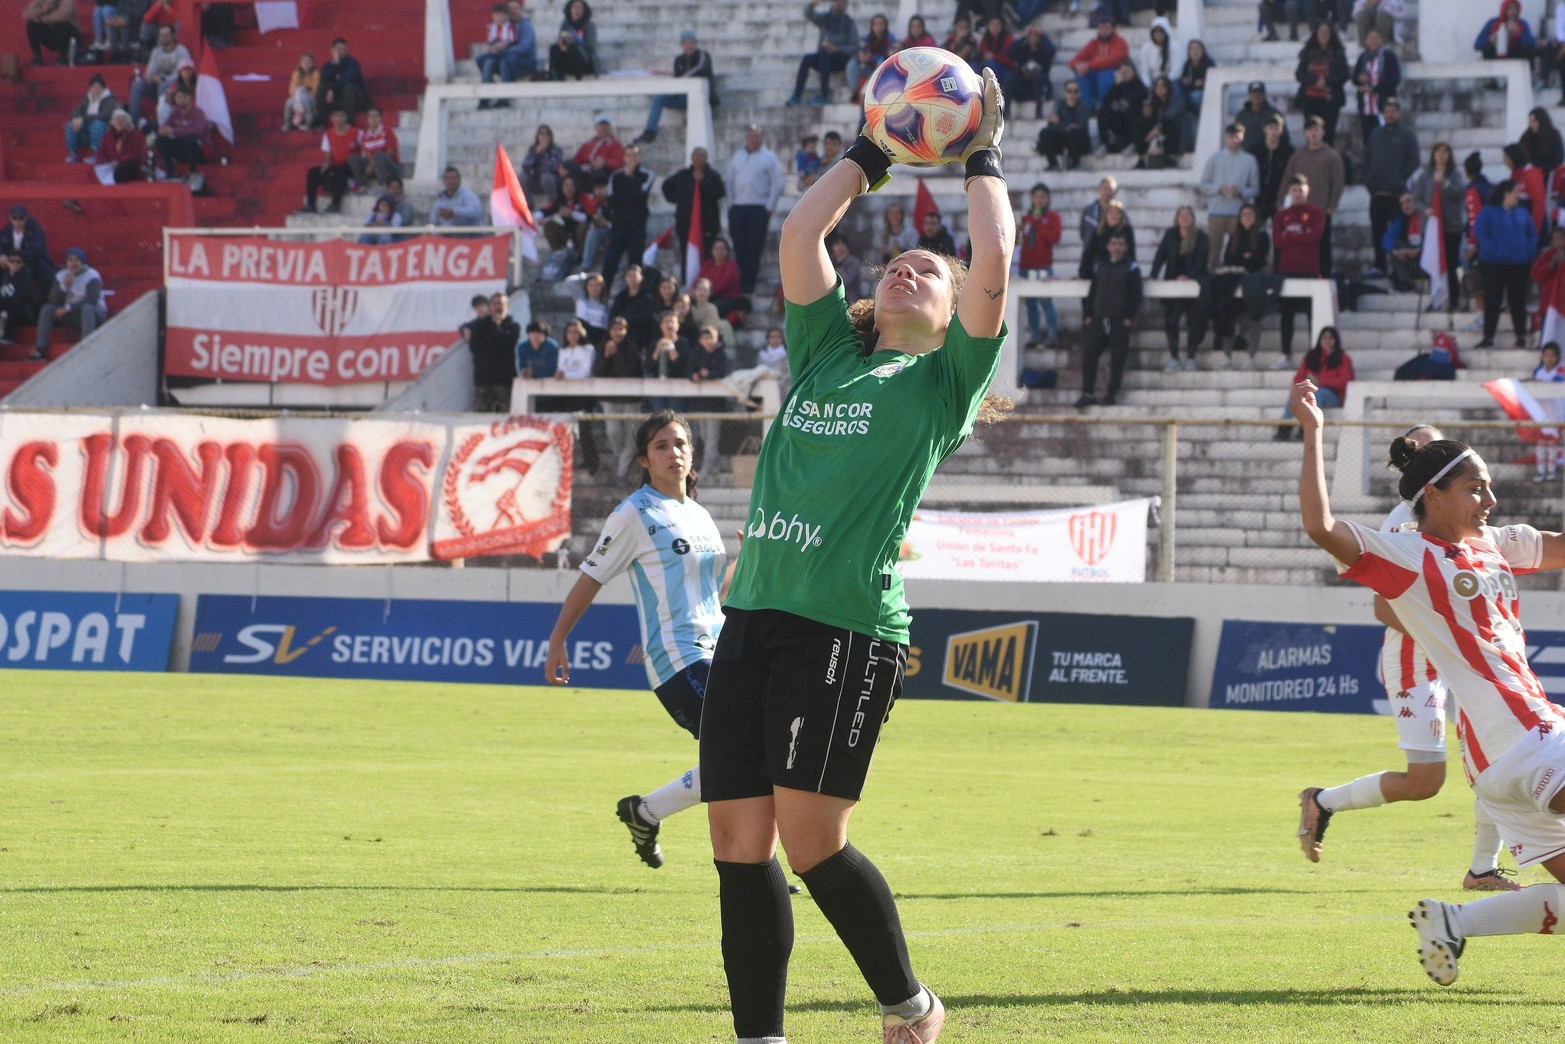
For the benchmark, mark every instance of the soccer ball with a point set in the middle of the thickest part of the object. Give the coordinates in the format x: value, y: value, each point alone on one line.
x: 922, y: 106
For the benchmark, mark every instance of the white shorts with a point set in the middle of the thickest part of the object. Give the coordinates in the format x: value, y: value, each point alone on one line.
x: 1420, y: 716
x: 1517, y: 788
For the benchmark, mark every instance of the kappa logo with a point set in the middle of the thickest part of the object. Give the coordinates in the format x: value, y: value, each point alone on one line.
x: 1405, y: 713
x: 1404, y: 694
x: 1543, y: 784
x: 507, y: 490
x: 1550, y: 919
x: 334, y: 308
x: 1092, y: 535
x: 889, y: 369
x: 995, y: 662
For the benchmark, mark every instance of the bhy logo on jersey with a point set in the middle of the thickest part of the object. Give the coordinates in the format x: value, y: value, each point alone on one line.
x: 789, y: 530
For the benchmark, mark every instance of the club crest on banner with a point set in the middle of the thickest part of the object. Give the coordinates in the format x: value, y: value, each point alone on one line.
x: 334, y: 308
x: 507, y: 490
x: 1092, y: 535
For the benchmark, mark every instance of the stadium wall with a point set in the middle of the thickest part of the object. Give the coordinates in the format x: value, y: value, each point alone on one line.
x: 1208, y: 604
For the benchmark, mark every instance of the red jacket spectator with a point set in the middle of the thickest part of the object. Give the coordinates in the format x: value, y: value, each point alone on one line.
x: 1333, y: 378
x: 1531, y: 194
x: 1102, y: 54
x: 123, y: 145
x: 1548, y: 271
x: 1040, y: 235
x: 1296, y: 233
x: 603, y: 144
x: 161, y: 14
x: 723, y: 275
x: 338, y: 146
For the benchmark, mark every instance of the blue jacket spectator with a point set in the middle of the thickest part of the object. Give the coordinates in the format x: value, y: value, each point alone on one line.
x: 520, y: 60
x: 1505, y: 232
x: 342, y: 83
x: 839, y: 42
x: 1507, y: 36
x: 537, y: 354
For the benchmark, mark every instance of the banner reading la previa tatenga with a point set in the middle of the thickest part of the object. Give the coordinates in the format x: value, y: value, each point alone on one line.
x: 253, y: 309
x: 149, y: 487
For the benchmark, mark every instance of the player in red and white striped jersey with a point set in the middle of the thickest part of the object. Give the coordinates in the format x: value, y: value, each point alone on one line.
x: 1452, y: 587
x: 1418, y: 706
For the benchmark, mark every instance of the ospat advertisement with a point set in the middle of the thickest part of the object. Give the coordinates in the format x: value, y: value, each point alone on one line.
x: 1026, y: 657
x: 255, y: 309
x: 1102, y: 544
x: 412, y: 640
x: 86, y: 631
x: 1301, y: 667
x: 152, y: 487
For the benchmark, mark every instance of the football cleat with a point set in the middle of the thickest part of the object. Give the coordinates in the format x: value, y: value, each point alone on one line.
x: 1313, y: 820
x: 922, y: 1030
x: 1496, y: 880
x: 1439, y: 942
x: 643, y: 834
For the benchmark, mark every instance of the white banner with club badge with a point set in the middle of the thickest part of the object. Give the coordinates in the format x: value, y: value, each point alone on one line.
x: 252, y: 309
x: 1106, y: 543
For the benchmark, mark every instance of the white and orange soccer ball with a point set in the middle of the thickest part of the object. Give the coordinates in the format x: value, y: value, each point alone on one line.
x: 922, y: 106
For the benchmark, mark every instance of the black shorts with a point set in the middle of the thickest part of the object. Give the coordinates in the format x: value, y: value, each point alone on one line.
x: 683, y: 694
x: 794, y: 703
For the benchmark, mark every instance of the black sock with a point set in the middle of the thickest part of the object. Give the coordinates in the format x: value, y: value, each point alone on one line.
x: 757, y: 940
x: 858, y: 903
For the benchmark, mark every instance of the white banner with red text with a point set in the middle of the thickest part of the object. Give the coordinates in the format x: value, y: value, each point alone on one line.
x: 1106, y: 543
x: 254, y: 309
x: 152, y: 487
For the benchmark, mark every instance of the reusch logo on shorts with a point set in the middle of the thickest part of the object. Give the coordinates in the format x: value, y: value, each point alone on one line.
x: 995, y: 662
x: 782, y: 527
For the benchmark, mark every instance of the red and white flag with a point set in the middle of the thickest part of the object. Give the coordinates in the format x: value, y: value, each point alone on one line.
x: 1432, y: 257
x: 211, y: 97
x: 1519, y: 405
x: 508, y: 205
x: 649, y: 256
x: 923, y: 203
x: 271, y: 15
x: 695, y: 237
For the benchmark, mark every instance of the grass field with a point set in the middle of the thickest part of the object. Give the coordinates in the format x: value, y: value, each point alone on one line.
x: 198, y: 858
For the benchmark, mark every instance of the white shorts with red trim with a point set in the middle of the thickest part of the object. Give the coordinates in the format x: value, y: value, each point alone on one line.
x: 1516, y: 789
x: 1420, y: 716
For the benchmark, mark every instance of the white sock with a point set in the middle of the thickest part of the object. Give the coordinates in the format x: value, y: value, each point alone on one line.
x: 674, y: 796
x: 1486, y: 840
x: 912, y: 1009
x: 1533, y: 910
x: 1363, y: 792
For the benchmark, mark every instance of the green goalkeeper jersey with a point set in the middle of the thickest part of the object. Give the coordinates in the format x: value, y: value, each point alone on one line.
x: 845, y: 464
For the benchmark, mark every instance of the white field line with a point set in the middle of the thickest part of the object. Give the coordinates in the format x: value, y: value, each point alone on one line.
x: 461, y: 960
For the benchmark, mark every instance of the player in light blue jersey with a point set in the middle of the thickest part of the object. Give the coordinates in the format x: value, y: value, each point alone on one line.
x: 678, y: 568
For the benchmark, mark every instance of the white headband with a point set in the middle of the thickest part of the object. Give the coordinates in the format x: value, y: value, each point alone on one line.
x: 1441, y: 473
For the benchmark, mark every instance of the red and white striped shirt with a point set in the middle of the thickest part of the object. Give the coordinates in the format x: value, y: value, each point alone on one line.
x: 382, y: 140
x: 1403, y: 665
x: 1460, y: 603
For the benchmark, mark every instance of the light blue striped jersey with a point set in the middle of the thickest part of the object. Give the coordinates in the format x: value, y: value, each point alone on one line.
x: 676, y: 560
